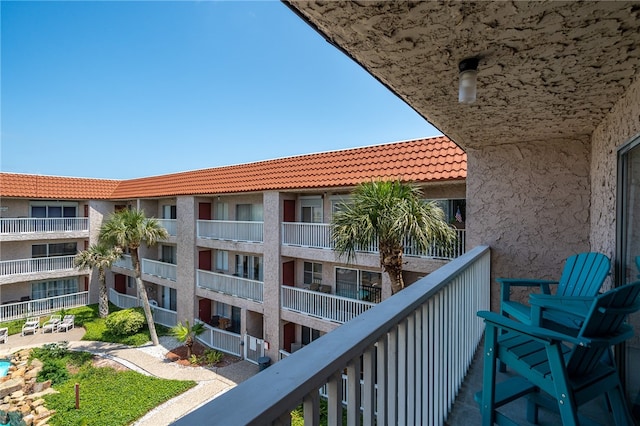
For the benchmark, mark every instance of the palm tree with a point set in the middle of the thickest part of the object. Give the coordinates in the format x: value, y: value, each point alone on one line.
x: 102, y: 257
x: 130, y: 229
x: 388, y: 212
x: 186, y: 334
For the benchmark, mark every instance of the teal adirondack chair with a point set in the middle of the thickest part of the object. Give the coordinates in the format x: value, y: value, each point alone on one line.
x: 557, y: 370
x: 583, y: 275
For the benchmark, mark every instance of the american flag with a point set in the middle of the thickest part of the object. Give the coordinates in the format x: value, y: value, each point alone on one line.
x: 459, y: 215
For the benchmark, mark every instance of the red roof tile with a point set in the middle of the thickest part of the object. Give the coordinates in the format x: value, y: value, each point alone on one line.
x: 422, y: 160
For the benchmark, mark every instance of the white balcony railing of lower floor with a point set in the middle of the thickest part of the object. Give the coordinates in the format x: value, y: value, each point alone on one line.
x: 38, y: 307
x: 318, y: 235
x: 221, y: 340
x: 321, y: 305
x: 405, y: 359
x: 32, y: 225
x: 231, y: 230
x: 36, y: 265
x: 162, y: 316
x: 230, y: 285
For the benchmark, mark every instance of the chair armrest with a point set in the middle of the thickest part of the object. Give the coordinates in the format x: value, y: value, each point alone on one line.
x: 541, y: 334
x: 573, y: 307
x: 507, y: 283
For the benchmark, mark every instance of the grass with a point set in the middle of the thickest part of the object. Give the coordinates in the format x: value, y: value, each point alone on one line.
x: 107, y: 397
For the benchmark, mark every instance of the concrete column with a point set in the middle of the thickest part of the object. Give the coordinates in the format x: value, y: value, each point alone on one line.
x: 99, y: 211
x: 272, y: 272
x: 186, y: 253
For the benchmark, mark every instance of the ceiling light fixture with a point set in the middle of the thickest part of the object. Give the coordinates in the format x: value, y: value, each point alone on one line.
x: 468, y: 75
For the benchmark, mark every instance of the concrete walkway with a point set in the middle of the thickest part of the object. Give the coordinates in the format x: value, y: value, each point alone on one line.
x: 149, y: 360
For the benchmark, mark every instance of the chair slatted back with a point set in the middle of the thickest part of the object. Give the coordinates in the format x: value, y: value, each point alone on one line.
x: 584, y: 274
x: 606, y: 319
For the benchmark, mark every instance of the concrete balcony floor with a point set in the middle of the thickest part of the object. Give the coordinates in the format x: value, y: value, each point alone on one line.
x: 466, y: 411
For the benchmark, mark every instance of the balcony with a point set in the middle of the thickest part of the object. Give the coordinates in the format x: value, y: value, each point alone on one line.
x: 170, y: 225
x: 34, y: 268
x: 405, y: 359
x: 155, y: 268
x: 231, y: 230
x: 320, y: 305
x: 22, y: 229
x: 318, y: 235
x: 230, y: 285
x: 40, y: 307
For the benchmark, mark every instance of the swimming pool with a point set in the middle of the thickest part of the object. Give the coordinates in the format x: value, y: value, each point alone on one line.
x: 4, y: 367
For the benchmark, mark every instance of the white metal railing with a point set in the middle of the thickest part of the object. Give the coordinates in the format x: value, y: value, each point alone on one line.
x: 405, y: 359
x: 36, y: 264
x: 170, y: 225
x: 35, y: 225
x: 326, y: 306
x: 233, y: 230
x: 38, y: 307
x: 221, y: 340
x: 161, y: 316
x: 231, y: 285
x: 318, y: 235
x: 124, y: 262
x: 156, y: 268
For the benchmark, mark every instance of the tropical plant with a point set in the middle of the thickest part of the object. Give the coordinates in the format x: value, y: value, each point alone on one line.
x: 99, y: 256
x: 126, y: 322
x: 130, y: 229
x: 388, y: 212
x: 186, y: 334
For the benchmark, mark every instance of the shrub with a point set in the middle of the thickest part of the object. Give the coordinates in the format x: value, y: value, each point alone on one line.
x: 54, y: 370
x: 125, y: 322
x: 211, y: 356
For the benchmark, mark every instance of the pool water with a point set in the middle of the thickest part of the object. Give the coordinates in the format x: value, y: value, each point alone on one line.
x: 4, y: 368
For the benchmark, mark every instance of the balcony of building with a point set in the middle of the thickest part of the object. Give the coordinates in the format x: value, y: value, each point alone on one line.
x: 318, y: 235
x: 230, y: 285
x: 31, y: 228
x: 171, y: 225
x: 150, y: 268
x: 18, y: 270
x: 231, y: 230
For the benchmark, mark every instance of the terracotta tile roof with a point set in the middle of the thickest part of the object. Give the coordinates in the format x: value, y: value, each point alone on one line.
x: 422, y: 160
x: 55, y: 187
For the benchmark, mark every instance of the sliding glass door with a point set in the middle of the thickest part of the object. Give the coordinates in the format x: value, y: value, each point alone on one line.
x: 628, y: 258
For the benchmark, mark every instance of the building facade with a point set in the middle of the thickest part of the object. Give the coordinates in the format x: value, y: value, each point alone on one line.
x: 249, y: 251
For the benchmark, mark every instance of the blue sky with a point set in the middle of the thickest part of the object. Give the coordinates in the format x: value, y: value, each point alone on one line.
x: 130, y: 89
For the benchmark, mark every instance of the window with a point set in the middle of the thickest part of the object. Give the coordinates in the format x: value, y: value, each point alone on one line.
x: 309, y: 335
x: 249, y: 212
x: 311, y: 209
x: 312, y: 273
x: 169, y: 298
x: 168, y: 254
x: 169, y: 212
x: 45, y: 209
x: 44, y: 289
x: 222, y: 260
x: 222, y: 211
x: 357, y: 284
x: 455, y: 211
x: 54, y: 249
x: 249, y: 267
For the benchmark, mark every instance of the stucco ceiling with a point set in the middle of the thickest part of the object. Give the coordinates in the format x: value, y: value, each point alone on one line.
x: 548, y: 70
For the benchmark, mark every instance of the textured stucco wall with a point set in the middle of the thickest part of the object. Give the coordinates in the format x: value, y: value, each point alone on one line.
x: 620, y: 125
x: 530, y: 203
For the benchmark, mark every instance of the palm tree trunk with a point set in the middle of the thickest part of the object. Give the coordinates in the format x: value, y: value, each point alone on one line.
x: 103, y: 301
x: 143, y: 296
x: 391, y: 262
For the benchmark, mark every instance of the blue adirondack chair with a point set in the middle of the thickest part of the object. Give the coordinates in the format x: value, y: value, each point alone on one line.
x: 557, y: 370
x: 582, y: 275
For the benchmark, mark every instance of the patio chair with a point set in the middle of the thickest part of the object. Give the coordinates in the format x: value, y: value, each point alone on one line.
x: 557, y: 370
x: 4, y: 334
x: 583, y: 275
x: 67, y: 323
x: 31, y: 325
x: 51, y: 324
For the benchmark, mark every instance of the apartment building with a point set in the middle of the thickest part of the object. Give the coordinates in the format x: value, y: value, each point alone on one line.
x: 249, y: 251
